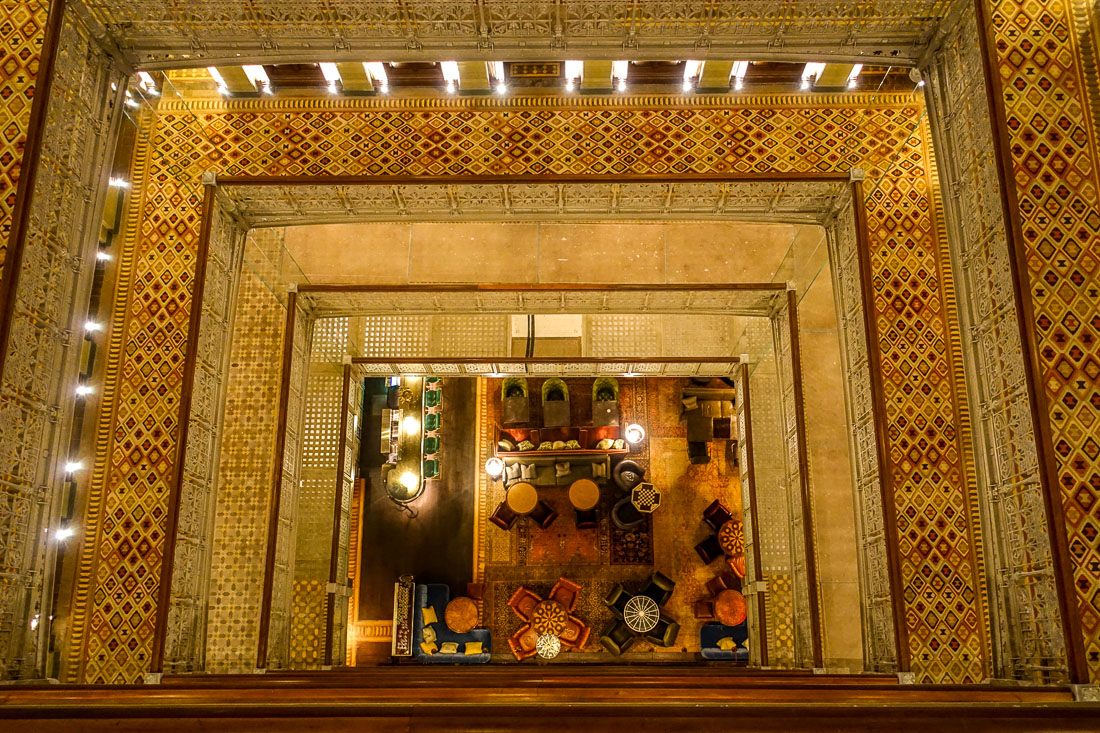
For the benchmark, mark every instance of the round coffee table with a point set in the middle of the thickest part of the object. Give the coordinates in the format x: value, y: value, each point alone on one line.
x: 460, y: 614
x: 522, y: 498
x: 731, y: 537
x: 549, y: 617
x: 641, y: 614
x: 729, y: 607
x: 584, y: 494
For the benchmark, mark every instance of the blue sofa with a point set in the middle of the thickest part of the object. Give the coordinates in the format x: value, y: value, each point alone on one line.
x: 437, y: 596
x: 709, y: 634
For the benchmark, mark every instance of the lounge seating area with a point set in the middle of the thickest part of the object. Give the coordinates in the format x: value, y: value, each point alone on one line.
x: 565, y: 566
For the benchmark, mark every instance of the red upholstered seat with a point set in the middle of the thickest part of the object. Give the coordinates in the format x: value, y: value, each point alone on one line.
x: 565, y: 592
x: 575, y: 634
x: 523, y: 602
x: 523, y: 642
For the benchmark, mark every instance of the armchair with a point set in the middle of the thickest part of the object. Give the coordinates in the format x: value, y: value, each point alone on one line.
x: 523, y: 602
x: 503, y: 516
x: 616, y: 637
x: 543, y: 515
x: 716, y: 515
x: 616, y: 600
x: 660, y: 588
x: 664, y: 633
x: 709, y: 549
x: 566, y: 593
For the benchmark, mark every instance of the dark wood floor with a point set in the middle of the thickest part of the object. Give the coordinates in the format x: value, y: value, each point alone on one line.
x: 436, y: 546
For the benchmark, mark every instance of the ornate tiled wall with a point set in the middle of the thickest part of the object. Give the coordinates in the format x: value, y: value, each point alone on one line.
x: 244, y: 478
x: 1044, y: 58
x: 662, y: 136
x: 22, y: 29
x: 44, y: 348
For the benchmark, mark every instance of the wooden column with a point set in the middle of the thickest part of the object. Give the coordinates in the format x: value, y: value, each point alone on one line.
x: 337, y: 509
x: 175, y: 489
x: 804, y: 482
x: 878, y: 410
x: 1068, y: 608
x: 757, y: 563
x: 277, y: 477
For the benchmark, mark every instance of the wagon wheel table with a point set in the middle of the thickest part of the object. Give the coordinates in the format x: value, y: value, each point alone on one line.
x: 641, y: 614
x: 731, y: 537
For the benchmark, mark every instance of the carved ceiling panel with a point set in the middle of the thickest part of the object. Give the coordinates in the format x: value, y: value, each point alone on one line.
x: 169, y: 33
x: 792, y: 202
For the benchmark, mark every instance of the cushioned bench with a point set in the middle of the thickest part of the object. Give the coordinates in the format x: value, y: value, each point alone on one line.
x: 709, y: 634
x: 437, y: 596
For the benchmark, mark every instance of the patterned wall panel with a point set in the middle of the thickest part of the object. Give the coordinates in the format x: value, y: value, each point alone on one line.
x: 1050, y: 103
x: 42, y: 362
x: 244, y: 478
x: 664, y: 136
x: 22, y: 29
x: 1027, y: 635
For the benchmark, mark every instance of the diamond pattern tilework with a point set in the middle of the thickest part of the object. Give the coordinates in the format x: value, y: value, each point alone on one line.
x: 244, y: 479
x: 651, y: 135
x: 22, y: 28
x: 1056, y: 168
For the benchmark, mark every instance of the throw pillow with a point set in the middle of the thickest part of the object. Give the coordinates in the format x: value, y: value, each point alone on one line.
x: 572, y: 445
x: 449, y: 647
x: 473, y: 647
x: 559, y: 445
x: 429, y: 634
x: 428, y: 614
x: 428, y: 647
x: 546, y: 445
x: 690, y: 403
x: 620, y: 444
x: 527, y: 470
x: 561, y: 469
x: 526, y: 445
x: 506, y: 446
x: 726, y: 643
x: 605, y: 444
x: 599, y: 470
x: 512, y: 473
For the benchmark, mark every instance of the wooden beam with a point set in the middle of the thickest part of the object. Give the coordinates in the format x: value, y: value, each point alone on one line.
x: 473, y: 77
x: 715, y: 76
x: 1053, y: 505
x: 187, y: 386
x: 276, y: 479
x: 354, y: 77
x: 337, y: 510
x: 236, y: 81
x: 596, y: 77
x: 882, y: 431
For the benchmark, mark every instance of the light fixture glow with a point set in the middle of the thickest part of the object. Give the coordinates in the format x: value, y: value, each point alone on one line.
x: 920, y: 83
x: 619, y: 71
x: 494, y: 466
x: 812, y: 71
x: 92, y: 326
x: 574, y: 71
x: 63, y: 533
x: 853, y: 77
x: 217, y: 77
x: 84, y: 390
x: 34, y: 622
x: 410, y: 481
x: 103, y: 256
x: 410, y: 425
x: 147, y: 84
x: 450, y: 71
x: 692, y: 71
x: 450, y: 87
x: 73, y: 466
x: 634, y: 433
x: 118, y: 182
x: 502, y: 88
x: 258, y: 76
x: 376, y: 70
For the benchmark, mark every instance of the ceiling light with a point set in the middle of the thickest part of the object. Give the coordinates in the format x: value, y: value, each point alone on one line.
x: 494, y: 466
x: 450, y: 87
x: 502, y: 88
x: 73, y: 466
x: 103, y: 256
x: 92, y: 326
x: 410, y: 481
x: 118, y: 182
x: 619, y: 70
x: 853, y: 77
x: 634, y: 433
x: 450, y: 70
x: 331, y: 74
x: 692, y: 70
x: 147, y: 83
x: 410, y: 425
x: 574, y: 71
x: 84, y: 390
x: 920, y: 83
x: 376, y: 70
x: 256, y: 74
x: 737, y: 73
x: 811, y: 72
x: 63, y: 533
x: 217, y: 77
